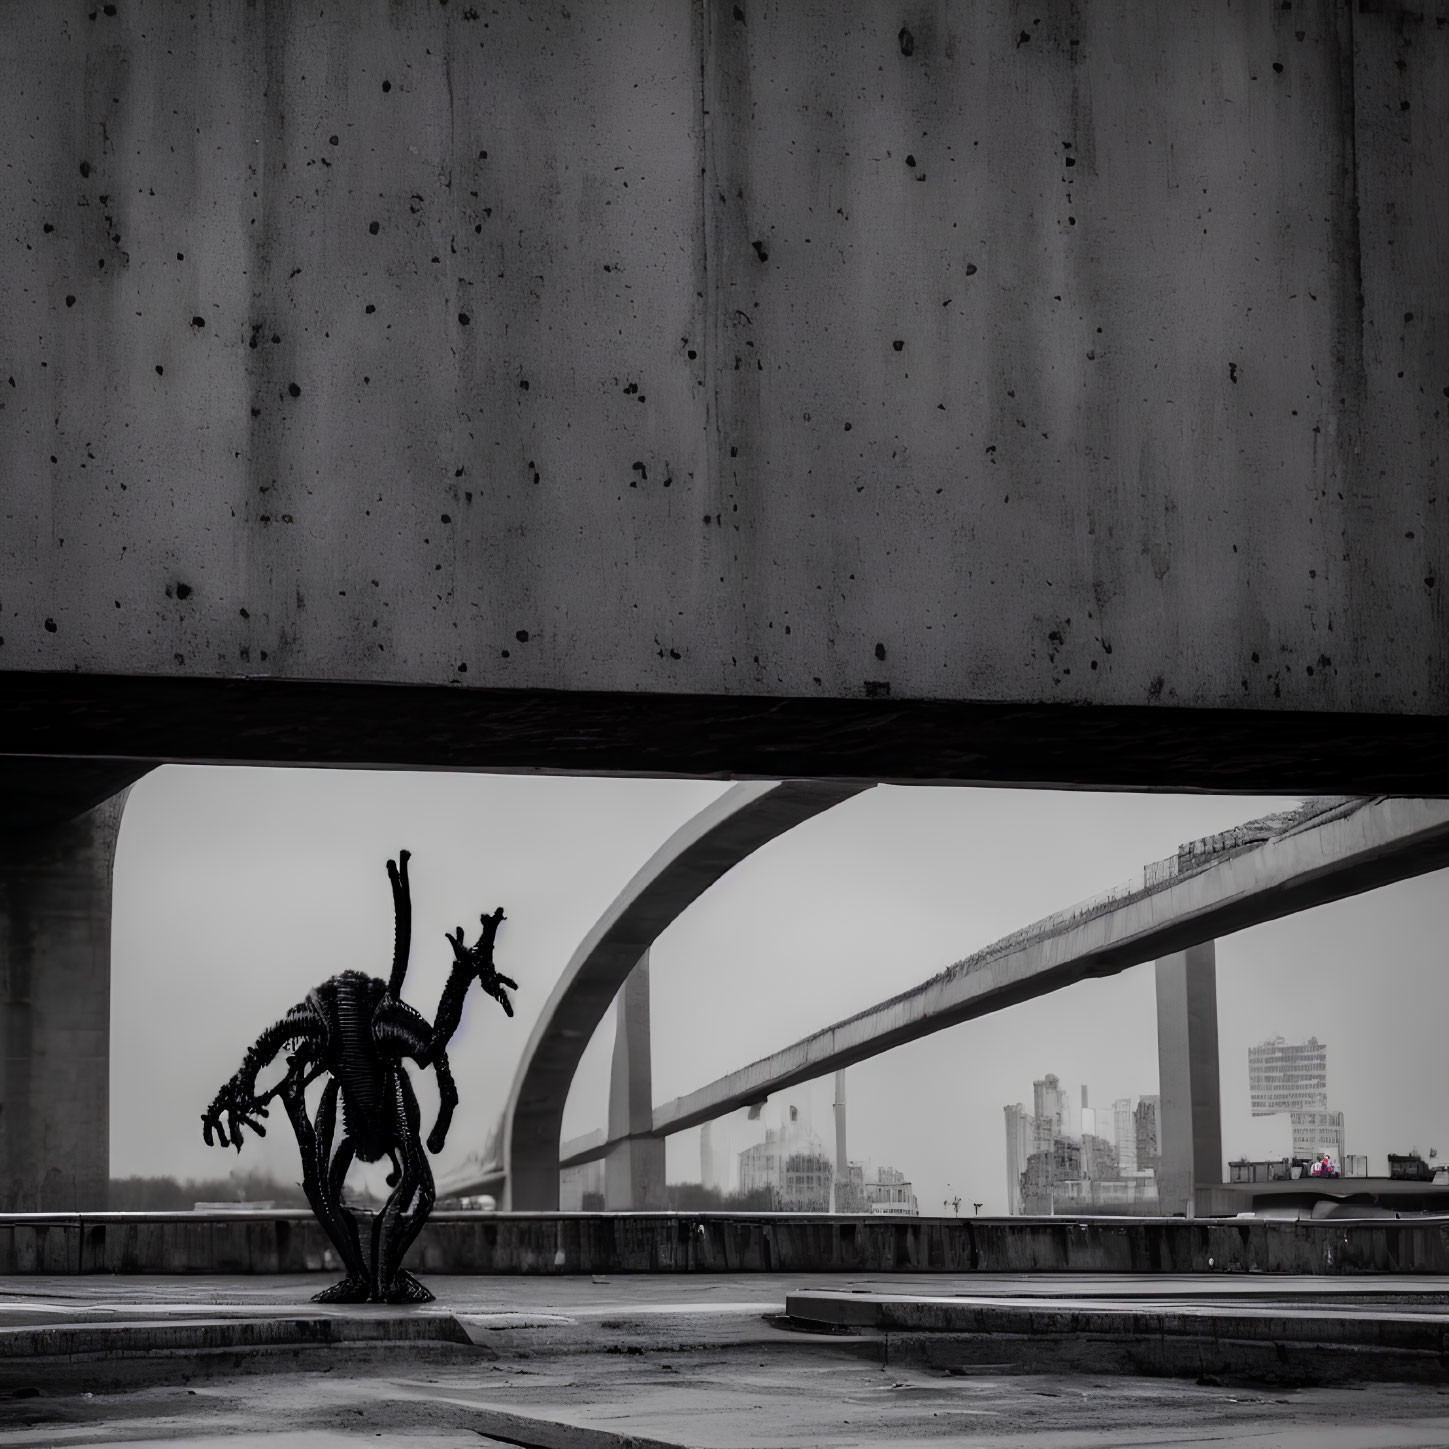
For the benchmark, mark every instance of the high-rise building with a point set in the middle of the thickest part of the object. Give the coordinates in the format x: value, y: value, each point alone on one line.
x: 1124, y: 1134
x: 1292, y: 1077
x: 1147, y: 1130
x: 1049, y: 1099
x: 1026, y: 1133
x: 1288, y: 1076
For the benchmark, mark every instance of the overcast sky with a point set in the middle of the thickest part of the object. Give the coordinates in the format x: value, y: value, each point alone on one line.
x: 237, y: 890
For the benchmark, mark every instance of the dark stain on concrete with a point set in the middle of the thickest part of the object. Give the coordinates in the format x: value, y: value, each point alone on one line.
x: 906, y: 41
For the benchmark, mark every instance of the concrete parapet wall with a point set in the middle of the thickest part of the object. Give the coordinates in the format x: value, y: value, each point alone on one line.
x: 530, y: 1243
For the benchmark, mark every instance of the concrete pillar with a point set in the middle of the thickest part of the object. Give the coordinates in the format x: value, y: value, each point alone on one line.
x: 634, y: 1168
x: 55, y: 1012
x: 1190, y: 1113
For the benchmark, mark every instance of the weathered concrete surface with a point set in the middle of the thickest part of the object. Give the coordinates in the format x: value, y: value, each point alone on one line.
x: 1353, y: 849
x: 632, y: 1360
x: 528, y: 1244
x: 55, y: 1012
x: 1097, y: 357
x: 1303, y: 1343
x: 802, y: 1394
x: 741, y: 821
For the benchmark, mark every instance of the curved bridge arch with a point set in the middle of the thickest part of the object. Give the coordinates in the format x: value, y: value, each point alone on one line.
x: 701, y: 851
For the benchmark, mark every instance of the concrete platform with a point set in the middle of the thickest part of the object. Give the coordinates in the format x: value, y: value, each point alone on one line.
x: 1289, y: 1329
x: 661, y: 1362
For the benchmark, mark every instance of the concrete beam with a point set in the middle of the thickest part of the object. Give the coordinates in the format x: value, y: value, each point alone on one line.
x: 740, y: 822
x: 1190, y: 1120
x: 55, y: 1012
x: 1361, y: 846
x: 744, y: 736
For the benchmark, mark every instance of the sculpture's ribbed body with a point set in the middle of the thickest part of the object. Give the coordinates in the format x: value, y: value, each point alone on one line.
x: 356, y: 1030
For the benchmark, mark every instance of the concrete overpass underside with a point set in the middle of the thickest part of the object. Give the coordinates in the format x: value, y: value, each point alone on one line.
x: 766, y: 390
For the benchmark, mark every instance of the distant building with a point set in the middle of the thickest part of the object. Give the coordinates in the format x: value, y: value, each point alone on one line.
x: 1050, y: 1100
x: 1288, y: 1076
x: 1061, y: 1163
x: 1099, y: 1157
x: 1124, y: 1133
x: 1147, y: 1133
x: 1292, y: 1077
x: 763, y: 1165
x: 807, y: 1180
x: 850, y: 1189
x: 1315, y: 1133
x: 1099, y: 1161
x: 791, y: 1164
x: 890, y: 1193
x: 1026, y: 1133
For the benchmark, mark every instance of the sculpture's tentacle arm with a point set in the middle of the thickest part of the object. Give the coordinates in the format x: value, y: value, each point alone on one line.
x: 401, y: 1031
x: 469, y: 963
x: 447, y: 1101
x: 402, y: 908
x: 237, y: 1100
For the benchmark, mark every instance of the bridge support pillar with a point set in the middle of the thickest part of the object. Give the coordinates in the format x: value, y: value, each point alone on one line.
x: 634, y: 1168
x: 1190, y: 1136
x: 55, y: 1012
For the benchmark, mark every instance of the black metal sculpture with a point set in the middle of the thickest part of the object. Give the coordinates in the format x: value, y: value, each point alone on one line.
x: 357, y: 1029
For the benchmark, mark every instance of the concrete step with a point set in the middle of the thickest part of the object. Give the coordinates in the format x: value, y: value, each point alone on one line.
x: 1281, y: 1341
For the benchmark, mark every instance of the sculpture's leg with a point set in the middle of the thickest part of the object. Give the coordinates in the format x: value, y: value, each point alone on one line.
x: 405, y: 1212
x: 323, y: 1188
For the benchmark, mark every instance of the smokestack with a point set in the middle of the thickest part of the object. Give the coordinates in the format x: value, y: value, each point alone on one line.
x: 842, y: 1166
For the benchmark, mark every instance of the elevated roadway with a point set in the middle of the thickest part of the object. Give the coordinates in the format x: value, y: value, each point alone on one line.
x: 1330, y: 851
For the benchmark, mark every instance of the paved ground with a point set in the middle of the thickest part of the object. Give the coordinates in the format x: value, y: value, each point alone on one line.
x: 724, y: 1400
x: 35, y: 1300
x: 579, y: 1363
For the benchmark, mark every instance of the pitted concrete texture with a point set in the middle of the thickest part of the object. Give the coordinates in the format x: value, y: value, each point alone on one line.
x: 811, y: 352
